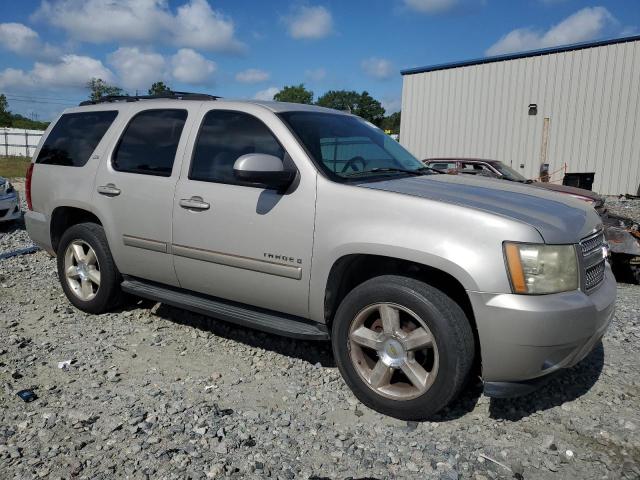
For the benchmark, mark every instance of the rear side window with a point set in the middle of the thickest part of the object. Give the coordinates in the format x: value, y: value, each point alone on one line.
x: 74, y: 138
x: 150, y: 142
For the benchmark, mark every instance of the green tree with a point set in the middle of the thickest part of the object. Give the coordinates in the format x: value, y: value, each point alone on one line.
x: 158, y: 88
x: 392, y: 122
x: 361, y: 104
x: 294, y: 94
x: 5, y: 114
x: 369, y: 108
x: 340, y: 100
x: 98, y: 88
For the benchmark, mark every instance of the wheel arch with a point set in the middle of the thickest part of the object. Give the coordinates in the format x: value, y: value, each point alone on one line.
x: 63, y: 217
x: 351, y: 270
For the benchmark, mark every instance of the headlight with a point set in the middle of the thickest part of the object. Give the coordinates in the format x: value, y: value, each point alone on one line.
x: 9, y: 188
x: 536, y: 269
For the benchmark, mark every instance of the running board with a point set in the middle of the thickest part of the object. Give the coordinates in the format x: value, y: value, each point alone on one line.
x: 246, y: 316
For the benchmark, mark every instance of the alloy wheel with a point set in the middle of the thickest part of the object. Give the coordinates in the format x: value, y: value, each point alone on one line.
x: 82, y: 270
x: 393, y: 351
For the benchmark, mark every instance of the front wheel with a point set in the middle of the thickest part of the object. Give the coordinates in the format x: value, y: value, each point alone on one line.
x: 403, y: 347
x: 86, y: 270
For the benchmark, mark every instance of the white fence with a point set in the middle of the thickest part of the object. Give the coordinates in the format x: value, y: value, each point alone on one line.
x: 19, y: 142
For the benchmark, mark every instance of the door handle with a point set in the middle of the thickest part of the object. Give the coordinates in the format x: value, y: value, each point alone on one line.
x: 194, y: 203
x: 110, y: 190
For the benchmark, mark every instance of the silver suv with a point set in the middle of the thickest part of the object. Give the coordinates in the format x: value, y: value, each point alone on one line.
x: 312, y: 223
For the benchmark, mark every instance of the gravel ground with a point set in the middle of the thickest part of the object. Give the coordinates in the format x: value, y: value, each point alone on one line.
x: 153, y: 391
x: 624, y: 207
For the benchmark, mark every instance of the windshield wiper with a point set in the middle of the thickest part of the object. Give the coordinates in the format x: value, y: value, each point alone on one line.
x: 416, y: 172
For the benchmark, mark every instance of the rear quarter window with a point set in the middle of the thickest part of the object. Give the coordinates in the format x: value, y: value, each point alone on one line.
x: 74, y: 137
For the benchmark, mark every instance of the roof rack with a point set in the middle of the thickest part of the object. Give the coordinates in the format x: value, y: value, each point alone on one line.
x: 161, y: 96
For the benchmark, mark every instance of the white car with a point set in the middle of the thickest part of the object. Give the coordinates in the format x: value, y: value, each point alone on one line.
x: 9, y: 201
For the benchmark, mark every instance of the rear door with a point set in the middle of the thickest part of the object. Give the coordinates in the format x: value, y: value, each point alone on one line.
x: 244, y: 243
x: 135, y: 185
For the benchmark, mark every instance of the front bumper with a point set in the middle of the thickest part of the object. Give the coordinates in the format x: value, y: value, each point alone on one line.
x: 10, y: 207
x: 526, y: 337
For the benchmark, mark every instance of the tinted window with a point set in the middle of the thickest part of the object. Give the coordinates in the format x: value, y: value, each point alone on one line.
x: 224, y: 137
x: 349, y: 147
x: 74, y: 138
x: 149, y: 143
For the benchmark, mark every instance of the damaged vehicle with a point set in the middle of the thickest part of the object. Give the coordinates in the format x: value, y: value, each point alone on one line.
x: 9, y: 201
x: 301, y: 221
x: 623, y: 237
x: 622, y: 234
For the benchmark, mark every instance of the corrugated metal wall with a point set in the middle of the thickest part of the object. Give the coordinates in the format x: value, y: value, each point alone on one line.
x: 590, y: 96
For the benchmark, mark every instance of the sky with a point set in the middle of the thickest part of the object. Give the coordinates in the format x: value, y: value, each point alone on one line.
x: 49, y: 49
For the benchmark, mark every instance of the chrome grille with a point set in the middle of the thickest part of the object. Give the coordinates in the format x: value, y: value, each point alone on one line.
x: 594, y: 275
x: 593, y: 263
x: 592, y: 243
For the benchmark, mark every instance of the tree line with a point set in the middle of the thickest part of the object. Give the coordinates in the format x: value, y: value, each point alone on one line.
x: 15, y: 120
x: 361, y: 104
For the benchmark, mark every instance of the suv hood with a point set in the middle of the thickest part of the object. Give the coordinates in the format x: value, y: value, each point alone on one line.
x: 558, y: 218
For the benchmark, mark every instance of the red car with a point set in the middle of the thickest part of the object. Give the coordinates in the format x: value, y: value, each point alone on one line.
x: 497, y: 169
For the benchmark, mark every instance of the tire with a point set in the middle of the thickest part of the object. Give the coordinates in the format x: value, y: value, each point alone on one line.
x: 449, y: 358
x: 108, y: 294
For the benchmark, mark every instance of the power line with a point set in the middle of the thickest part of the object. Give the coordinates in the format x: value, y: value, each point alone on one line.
x: 11, y: 99
x: 39, y: 97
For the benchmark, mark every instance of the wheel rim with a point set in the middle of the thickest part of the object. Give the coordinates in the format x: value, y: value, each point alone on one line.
x: 393, y: 351
x: 82, y: 270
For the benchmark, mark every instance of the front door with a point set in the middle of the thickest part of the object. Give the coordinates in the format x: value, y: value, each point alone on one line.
x: 233, y: 240
x: 134, y: 191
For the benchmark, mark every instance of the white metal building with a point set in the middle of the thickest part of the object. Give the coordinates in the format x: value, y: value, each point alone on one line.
x: 578, y: 105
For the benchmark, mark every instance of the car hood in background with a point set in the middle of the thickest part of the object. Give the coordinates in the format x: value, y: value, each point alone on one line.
x: 559, y: 218
x: 570, y: 190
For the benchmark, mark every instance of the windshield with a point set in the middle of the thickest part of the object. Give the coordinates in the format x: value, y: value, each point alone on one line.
x: 349, y: 147
x: 508, y: 172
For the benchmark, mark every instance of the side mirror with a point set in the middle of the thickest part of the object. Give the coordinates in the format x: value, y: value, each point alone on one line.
x: 262, y: 170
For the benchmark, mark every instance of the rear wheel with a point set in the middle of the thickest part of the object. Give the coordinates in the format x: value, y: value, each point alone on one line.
x: 86, y: 270
x: 404, y: 348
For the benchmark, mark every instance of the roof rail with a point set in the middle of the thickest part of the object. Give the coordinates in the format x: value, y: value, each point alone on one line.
x: 161, y: 96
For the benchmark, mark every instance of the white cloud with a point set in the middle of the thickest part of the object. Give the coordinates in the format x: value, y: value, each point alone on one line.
x: 72, y: 71
x: 315, y: 74
x: 309, y: 22
x: 266, y: 94
x: 252, y: 75
x: 20, y: 39
x: 195, y: 23
x: 137, y: 68
x: 379, y: 68
x: 189, y: 66
x: 391, y: 104
x: 431, y: 6
x: 586, y: 24
x: 199, y: 26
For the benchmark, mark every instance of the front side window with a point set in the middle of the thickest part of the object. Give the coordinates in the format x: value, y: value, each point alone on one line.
x: 443, y: 166
x: 477, y: 169
x: 149, y: 143
x: 224, y: 137
x: 347, y: 147
x: 74, y: 137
